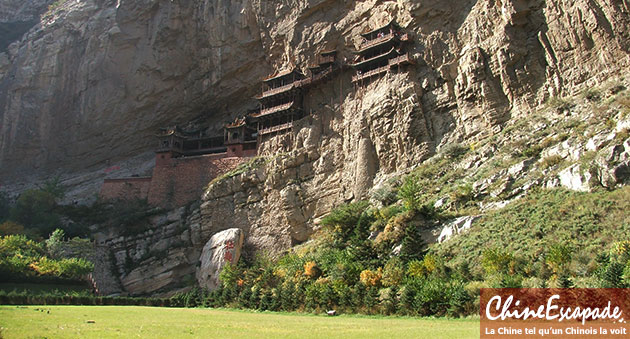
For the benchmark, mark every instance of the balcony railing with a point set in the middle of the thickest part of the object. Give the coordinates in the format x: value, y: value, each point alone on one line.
x: 371, y: 73
x: 401, y: 59
x: 275, y: 109
x: 278, y: 90
x: 325, y: 59
x: 374, y: 42
x: 276, y: 128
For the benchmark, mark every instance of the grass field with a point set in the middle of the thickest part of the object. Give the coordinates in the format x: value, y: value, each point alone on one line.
x: 153, y: 322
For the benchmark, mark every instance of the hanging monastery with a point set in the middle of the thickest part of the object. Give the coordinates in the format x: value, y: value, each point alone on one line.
x: 188, y: 158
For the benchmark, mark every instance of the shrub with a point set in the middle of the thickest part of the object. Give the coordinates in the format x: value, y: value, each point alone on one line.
x: 592, y: 95
x: 371, y: 278
x: 229, y: 275
x: 551, y: 161
x: 612, y: 275
x: 496, y: 260
x: 54, y: 188
x: 311, y: 270
x: 558, y: 104
x: 432, y: 298
x: 412, y: 244
x: 423, y: 268
x: 342, y: 220
x: 410, y: 193
x: 386, y: 194
x: 407, y: 297
x: 54, y: 243
x: 393, y: 273
x: 36, y: 209
x: 388, y: 300
x: 558, y: 257
x: 462, y: 194
x: 75, y: 268
x: 454, y: 151
x: 11, y: 228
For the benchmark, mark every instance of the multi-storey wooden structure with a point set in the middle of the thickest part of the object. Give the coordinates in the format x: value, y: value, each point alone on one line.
x: 282, y: 95
x: 381, y: 50
x: 182, y: 142
x: 280, y: 102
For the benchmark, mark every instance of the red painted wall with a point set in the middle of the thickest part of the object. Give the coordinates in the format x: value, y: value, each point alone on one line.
x: 178, y: 181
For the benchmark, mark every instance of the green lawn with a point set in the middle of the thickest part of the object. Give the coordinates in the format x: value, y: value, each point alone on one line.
x: 153, y: 322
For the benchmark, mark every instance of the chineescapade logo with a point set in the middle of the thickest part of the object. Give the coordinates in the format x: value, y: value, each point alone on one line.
x: 555, y: 313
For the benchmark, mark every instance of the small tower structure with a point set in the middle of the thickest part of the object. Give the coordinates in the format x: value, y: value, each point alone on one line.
x: 240, y: 138
x: 326, y: 65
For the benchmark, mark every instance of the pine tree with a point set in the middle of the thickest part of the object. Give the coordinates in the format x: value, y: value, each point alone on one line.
x: 407, y: 300
x: 412, y: 244
x: 266, y: 300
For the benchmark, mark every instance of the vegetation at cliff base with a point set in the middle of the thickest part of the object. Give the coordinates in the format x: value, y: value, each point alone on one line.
x: 147, y: 322
x: 372, y: 260
x: 22, y: 259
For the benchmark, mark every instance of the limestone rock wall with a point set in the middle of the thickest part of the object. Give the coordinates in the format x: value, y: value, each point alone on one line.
x: 86, y: 87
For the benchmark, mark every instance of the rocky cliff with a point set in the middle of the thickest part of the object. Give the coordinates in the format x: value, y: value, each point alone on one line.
x: 85, y: 89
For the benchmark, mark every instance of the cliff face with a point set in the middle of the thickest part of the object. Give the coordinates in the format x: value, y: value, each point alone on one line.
x: 88, y: 86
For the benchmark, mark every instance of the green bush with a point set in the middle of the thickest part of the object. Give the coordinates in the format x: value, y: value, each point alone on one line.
x: 496, y: 260
x: 343, y: 220
x: 454, y: 151
x: 36, y: 209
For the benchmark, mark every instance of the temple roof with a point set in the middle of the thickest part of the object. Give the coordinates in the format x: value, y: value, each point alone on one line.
x: 238, y: 122
x: 391, y: 23
x: 279, y: 75
x: 390, y: 53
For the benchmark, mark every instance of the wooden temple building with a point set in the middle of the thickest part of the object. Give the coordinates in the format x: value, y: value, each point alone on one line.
x: 381, y: 50
x: 182, y: 142
x: 280, y: 103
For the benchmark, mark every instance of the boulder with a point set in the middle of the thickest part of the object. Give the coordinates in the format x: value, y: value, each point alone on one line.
x: 223, y: 248
x: 574, y: 179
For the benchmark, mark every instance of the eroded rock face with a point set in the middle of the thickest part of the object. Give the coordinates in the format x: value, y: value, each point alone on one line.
x: 222, y: 249
x: 90, y: 84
